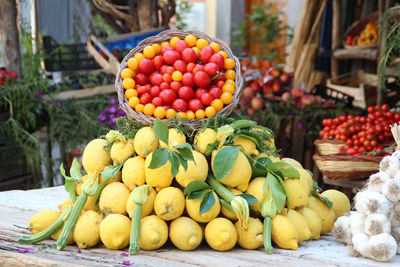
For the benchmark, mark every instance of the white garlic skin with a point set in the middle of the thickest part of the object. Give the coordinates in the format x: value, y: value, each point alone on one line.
x: 376, y: 224
x: 342, y: 229
x: 396, y: 236
x: 370, y: 202
x: 394, y: 216
x: 356, y: 222
x: 391, y: 189
x: 377, y: 180
x: 390, y: 165
x: 381, y: 247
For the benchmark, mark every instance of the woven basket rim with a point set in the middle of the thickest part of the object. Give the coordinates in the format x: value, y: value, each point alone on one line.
x: 163, y: 36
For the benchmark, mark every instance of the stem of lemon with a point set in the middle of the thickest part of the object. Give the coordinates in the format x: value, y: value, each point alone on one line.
x: 221, y: 190
x: 242, y: 124
x: 135, y: 229
x: 32, y: 239
x: 267, y: 235
x: 72, y: 219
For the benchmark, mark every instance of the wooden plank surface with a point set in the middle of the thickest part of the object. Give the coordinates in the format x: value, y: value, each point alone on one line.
x: 367, y: 53
x: 16, y: 207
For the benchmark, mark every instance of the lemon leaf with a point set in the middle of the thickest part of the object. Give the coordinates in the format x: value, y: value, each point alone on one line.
x: 325, y: 200
x: 159, y: 158
x: 224, y: 161
x: 197, y: 194
x: 207, y: 202
x: 182, y: 161
x: 250, y: 199
x: 226, y: 204
x: 195, y: 185
x: 276, y: 189
x: 186, y: 153
x: 161, y: 130
x: 283, y: 168
x: 210, y: 148
x: 173, y: 158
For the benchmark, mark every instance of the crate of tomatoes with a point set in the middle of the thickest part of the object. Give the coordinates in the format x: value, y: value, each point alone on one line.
x: 352, y: 146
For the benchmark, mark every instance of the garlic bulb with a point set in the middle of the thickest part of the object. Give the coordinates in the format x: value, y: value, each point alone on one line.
x: 391, y: 189
x: 342, y: 229
x: 390, y: 165
x: 356, y: 222
x: 370, y: 202
x: 395, y: 215
x: 396, y: 236
x: 377, y: 180
x: 376, y: 224
x: 381, y: 247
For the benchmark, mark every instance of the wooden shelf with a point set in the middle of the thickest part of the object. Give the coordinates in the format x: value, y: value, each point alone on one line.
x: 357, y: 184
x: 368, y: 54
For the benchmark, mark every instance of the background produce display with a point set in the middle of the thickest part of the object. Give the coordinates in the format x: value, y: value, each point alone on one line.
x: 191, y: 77
x: 224, y: 183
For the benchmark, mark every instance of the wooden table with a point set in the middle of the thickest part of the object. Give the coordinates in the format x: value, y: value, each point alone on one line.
x: 16, y: 207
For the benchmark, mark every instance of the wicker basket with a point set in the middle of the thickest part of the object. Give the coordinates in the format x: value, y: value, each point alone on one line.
x: 328, y: 147
x: 165, y: 36
x: 344, y: 167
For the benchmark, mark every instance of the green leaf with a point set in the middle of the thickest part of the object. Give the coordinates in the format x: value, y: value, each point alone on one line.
x: 184, y: 145
x: 325, y: 200
x: 258, y: 167
x: 159, y: 158
x: 195, y: 186
x: 283, y: 168
x: 197, y: 194
x: 207, y: 202
x: 316, y: 186
x: 75, y: 170
x: 284, y: 189
x: 174, y: 159
x: 310, y: 172
x: 250, y: 199
x: 182, y: 161
x: 210, y: 148
x: 186, y: 153
x: 69, y: 184
x: 276, y: 189
x: 224, y: 161
x: 226, y: 204
x: 161, y: 130
x: 110, y: 172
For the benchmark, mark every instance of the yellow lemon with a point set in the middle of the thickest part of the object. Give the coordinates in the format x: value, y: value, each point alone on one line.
x: 197, y: 170
x: 265, y: 155
x: 256, y: 189
x: 306, y: 178
x: 87, y: 229
x: 145, y: 141
x: 133, y: 173
x: 193, y: 209
x: 292, y: 162
x: 122, y: 150
x: 283, y: 232
x: 313, y: 221
x: 326, y: 214
x: 78, y: 185
x: 185, y: 233
x: 303, y: 232
x: 160, y: 177
x: 147, y: 207
x: 175, y: 138
x: 247, y: 146
x: 115, y: 231
x: 252, y: 238
x: 341, y: 203
x: 169, y: 203
x: 203, y: 138
x: 113, y: 198
x: 153, y: 233
x: 91, y: 204
x: 221, y: 234
x: 95, y: 156
x: 65, y: 204
x: 298, y: 193
x: 57, y: 234
x: 42, y: 219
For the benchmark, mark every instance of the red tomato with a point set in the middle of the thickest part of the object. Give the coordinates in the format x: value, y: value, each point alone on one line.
x: 215, y: 92
x: 211, y: 69
x: 385, y: 107
x: 165, y: 49
x: 156, y: 78
x: 157, y: 101
x: 164, y: 85
x: 145, y: 98
x: 351, y: 151
x: 206, y: 99
x: 220, y: 84
x: 155, y: 91
x: 219, y: 60
x: 189, y: 56
x: 370, y: 109
x: 179, y: 105
x: 141, y: 78
x: 146, y: 65
x: 190, y: 66
x: 180, y: 65
x: 389, y: 115
x: 206, y: 53
x: 175, y: 85
x: 396, y: 116
x: 186, y: 93
x: 142, y: 89
x: 158, y: 61
x: 168, y: 96
x: 167, y: 78
x: 163, y: 69
x: 195, y: 104
x: 171, y: 56
x: 199, y: 92
x: 181, y: 45
x: 170, y: 70
x: 188, y: 79
x: 202, y: 79
x: 220, y: 78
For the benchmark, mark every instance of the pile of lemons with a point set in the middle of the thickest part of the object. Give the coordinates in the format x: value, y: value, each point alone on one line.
x: 168, y: 214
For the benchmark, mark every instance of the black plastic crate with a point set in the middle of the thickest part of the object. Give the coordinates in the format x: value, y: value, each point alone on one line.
x: 67, y: 57
x: 333, y: 95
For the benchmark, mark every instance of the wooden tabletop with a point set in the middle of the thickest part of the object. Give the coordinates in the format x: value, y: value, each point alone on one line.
x: 16, y: 207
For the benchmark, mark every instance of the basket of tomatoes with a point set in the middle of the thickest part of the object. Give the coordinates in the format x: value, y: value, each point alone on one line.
x: 183, y: 74
x: 352, y: 146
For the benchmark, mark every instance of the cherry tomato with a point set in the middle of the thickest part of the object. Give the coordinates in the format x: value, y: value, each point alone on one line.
x: 195, y: 104
x: 164, y: 85
x: 158, y: 62
x: 199, y: 92
x: 373, y: 143
x: 155, y: 91
x: 156, y: 78
x: 188, y: 79
x: 168, y: 96
x: 371, y: 109
x: 189, y: 56
x: 343, y: 118
x: 385, y: 107
x: 389, y: 115
x: 219, y: 60
x: 145, y: 98
x: 206, y: 99
x: 396, y: 116
x: 186, y: 93
x: 180, y: 65
x: 205, y: 54
x: 201, y: 78
x: 211, y: 69
x: 165, y: 49
x: 142, y: 89
x: 146, y: 65
x: 176, y: 85
x: 181, y: 45
x: 215, y: 92
x: 170, y: 57
x: 141, y: 78
x: 179, y: 105
x: 157, y: 101
x: 351, y: 151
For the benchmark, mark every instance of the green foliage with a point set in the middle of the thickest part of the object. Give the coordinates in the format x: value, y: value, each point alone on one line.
x: 261, y: 27
x: 276, y: 190
x: 198, y: 189
x: 225, y: 159
x: 181, y: 11
x: 390, y: 53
